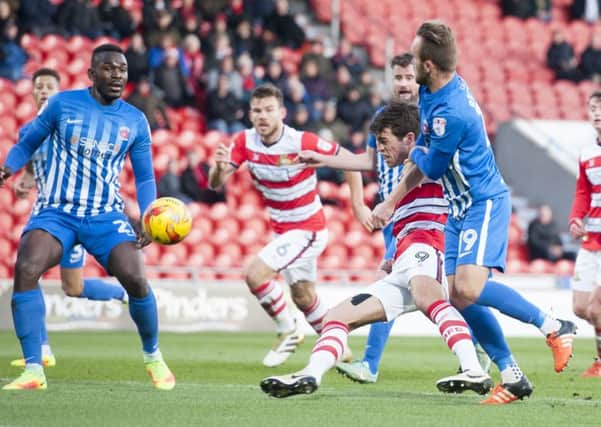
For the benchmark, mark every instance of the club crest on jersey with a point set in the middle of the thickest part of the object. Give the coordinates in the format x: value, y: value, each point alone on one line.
x: 284, y: 160
x: 123, y: 132
x: 439, y: 125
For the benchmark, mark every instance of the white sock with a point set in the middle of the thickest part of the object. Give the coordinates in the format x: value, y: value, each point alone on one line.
x: 327, y: 349
x: 46, y: 350
x: 36, y: 367
x: 549, y: 325
x: 272, y: 299
x: 154, y: 356
x: 511, y: 374
x: 315, y: 314
x: 456, y: 334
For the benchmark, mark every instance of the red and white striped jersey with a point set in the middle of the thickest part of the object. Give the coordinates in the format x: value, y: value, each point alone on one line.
x: 587, y: 198
x: 289, y: 190
x: 420, y: 217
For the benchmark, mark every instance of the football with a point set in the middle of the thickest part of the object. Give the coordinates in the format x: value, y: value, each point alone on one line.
x: 167, y: 221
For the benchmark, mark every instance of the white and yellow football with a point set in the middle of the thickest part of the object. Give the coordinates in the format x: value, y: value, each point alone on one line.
x: 167, y: 221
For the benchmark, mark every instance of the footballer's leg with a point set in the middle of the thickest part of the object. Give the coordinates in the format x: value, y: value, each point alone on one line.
x: 594, y: 314
x: 38, y: 251
x: 340, y: 320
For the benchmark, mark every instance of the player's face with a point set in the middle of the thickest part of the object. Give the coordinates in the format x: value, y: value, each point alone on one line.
x: 422, y: 72
x: 109, y: 75
x: 266, y: 115
x: 404, y: 86
x: 393, y: 150
x: 594, y: 113
x: 43, y: 88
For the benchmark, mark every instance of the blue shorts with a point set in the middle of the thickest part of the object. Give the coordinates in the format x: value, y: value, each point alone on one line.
x: 389, y: 241
x: 98, y: 234
x: 74, y: 258
x: 480, y: 237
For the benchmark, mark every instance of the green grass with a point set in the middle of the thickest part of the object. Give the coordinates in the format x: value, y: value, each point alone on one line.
x: 100, y: 381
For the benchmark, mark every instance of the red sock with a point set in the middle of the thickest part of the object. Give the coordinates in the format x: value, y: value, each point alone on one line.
x: 272, y: 299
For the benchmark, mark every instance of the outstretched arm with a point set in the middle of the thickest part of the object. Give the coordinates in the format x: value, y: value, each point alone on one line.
x: 223, y: 168
x: 344, y: 160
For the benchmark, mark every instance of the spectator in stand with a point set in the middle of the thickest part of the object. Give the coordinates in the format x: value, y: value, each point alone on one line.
x: 12, y: 56
x: 544, y: 240
x: 154, y: 20
x: 146, y: 98
x: 166, y: 24
x: 235, y: 13
x: 224, y: 110
x: 191, y: 25
x: 590, y: 61
x: 354, y: 110
x: 117, y: 21
x: 275, y: 75
x: 295, y: 96
x: 343, y: 82
x: 226, y: 67
x: 189, y: 9
x: 346, y: 56
x: 245, y: 41
x: 589, y: 10
x: 366, y: 84
x: 219, y: 39
x: 283, y: 25
x: 80, y: 17
x: 261, y: 9
x: 316, y: 85
x: 6, y: 15
x: 329, y: 120
x: 170, y: 184
x: 157, y: 54
x: 170, y: 79
x: 246, y: 70
x: 527, y: 9
x: 194, y: 62
x: 195, y: 183
x: 37, y: 17
x: 301, y: 120
x: 561, y: 59
x: 316, y: 54
x: 137, y: 59
x: 210, y: 8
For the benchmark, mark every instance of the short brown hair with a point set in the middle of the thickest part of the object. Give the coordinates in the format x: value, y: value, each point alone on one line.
x: 402, y: 60
x: 267, y: 90
x: 438, y: 45
x: 595, y: 95
x: 400, y: 117
x: 46, y: 72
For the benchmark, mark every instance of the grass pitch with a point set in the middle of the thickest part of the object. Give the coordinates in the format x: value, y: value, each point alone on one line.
x: 100, y: 381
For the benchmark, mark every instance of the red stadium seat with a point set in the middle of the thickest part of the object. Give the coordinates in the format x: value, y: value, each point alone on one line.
x: 540, y: 266
x: 564, y: 267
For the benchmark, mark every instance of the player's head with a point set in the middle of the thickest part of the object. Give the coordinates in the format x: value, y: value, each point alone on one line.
x: 46, y: 83
x: 267, y: 111
x: 108, y: 73
x: 434, y: 50
x: 396, y: 127
x: 404, y: 86
x: 594, y: 110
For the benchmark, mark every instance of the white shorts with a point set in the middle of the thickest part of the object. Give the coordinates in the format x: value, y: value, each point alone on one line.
x: 587, y: 271
x: 294, y: 254
x: 394, y: 290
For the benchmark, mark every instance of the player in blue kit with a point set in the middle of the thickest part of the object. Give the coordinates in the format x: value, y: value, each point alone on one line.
x: 453, y: 147
x: 91, y: 131
x: 46, y: 83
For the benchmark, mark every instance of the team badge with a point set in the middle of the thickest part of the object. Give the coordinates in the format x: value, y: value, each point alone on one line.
x: 123, y: 132
x: 439, y: 125
x: 284, y: 160
x: 324, y: 145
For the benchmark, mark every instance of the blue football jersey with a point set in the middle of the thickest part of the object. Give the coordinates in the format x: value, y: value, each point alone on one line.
x: 453, y: 123
x: 80, y: 160
x: 388, y: 177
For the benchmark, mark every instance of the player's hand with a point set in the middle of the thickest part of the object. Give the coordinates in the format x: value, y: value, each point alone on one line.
x: 381, y: 214
x: 142, y: 240
x: 577, y: 229
x: 24, y: 185
x: 222, y: 157
x: 311, y: 158
x: 5, y: 173
x: 363, y: 215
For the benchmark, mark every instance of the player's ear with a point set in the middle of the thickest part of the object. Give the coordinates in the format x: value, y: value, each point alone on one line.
x: 283, y: 112
x: 410, y: 139
x: 91, y: 74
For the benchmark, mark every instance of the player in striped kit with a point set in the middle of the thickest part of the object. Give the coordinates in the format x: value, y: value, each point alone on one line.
x: 91, y: 131
x: 417, y: 279
x: 585, y: 224
x: 45, y: 84
x: 296, y: 215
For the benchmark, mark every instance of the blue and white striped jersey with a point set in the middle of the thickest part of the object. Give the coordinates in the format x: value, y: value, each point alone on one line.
x: 86, y: 145
x: 452, y: 123
x: 388, y: 177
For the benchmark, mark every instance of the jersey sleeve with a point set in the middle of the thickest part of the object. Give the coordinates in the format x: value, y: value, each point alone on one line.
x: 311, y: 141
x: 238, y: 150
x: 141, y: 162
x: 582, y: 195
x: 371, y: 140
x: 446, y: 132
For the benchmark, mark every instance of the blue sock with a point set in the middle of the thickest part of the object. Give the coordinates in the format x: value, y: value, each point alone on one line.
x: 28, y: 317
x: 511, y: 303
x: 489, y: 334
x: 99, y: 290
x: 44, y: 332
x: 144, y: 313
x: 376, y: 341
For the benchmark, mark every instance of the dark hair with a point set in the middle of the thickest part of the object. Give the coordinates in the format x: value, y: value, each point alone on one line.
x: 402, y: 60
x: 438, y: 45
x: 45, y: 72
x: 267, y: 90
x: 107, y: 47
x: 595, y: 95
x: 400, y: 117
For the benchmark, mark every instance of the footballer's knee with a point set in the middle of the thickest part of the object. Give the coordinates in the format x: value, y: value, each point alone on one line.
x: 136, y: 285
x: 27, y: 274
x: 258, y: 273
x: 303, y: 294
x: 581, y: 310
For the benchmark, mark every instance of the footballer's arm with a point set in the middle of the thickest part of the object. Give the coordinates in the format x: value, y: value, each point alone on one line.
x: 223, y: 168
x: 344, y: 160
